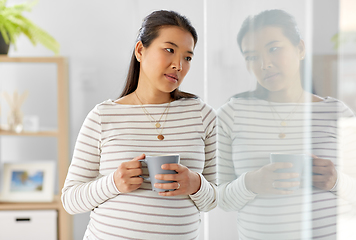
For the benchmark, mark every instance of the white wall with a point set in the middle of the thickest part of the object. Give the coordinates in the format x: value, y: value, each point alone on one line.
x: 326, y: 24
x: 98, y: 38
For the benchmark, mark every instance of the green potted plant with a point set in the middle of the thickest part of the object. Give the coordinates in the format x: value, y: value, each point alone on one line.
x: 13, y: 24
x: 342, y: 38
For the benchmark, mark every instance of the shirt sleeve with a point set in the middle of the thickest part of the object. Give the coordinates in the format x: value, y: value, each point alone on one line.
x: 85, y: 188
x: 345, y: 186
x: 206, y: 197
x: 233, y: 194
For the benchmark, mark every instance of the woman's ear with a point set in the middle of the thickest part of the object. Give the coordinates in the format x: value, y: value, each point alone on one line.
x: 301, y: 48
x: 138, y: 51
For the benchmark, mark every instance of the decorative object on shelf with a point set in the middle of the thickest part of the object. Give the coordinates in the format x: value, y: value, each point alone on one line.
x: 31, y: 123
x: 28, y: 182
x: 13, y: 24
x: 15, y: 117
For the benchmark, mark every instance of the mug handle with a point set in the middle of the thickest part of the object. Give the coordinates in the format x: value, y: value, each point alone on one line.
x: 146, y: 178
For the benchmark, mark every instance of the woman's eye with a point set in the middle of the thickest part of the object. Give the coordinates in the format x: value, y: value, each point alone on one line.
x: 170, y: 50
x: 188, y: 59
x: 273, y: 49
x: 251, y: 58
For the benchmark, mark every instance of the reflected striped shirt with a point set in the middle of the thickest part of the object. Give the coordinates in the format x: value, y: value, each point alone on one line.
x: 248, y: 131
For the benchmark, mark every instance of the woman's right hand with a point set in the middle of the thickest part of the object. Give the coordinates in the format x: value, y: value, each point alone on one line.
x: 265, y: 180
x: 126, y: 176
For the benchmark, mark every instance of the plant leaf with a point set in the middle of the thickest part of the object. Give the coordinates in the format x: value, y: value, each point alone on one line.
x: 13, y: 24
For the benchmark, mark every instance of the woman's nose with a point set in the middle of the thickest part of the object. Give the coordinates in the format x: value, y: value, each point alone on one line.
x: 177, y: 64
x: 265, y: 63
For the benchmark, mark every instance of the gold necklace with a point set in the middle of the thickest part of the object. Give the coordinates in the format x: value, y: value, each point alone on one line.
x: 159, y: 127
x: 284, y: 122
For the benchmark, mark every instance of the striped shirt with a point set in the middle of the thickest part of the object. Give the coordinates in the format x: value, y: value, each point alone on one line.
x: 115, y: 133
x: 248, y: 131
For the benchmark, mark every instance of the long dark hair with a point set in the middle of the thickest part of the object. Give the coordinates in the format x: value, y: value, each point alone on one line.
x: 273, y: 17
x: 149, y: 31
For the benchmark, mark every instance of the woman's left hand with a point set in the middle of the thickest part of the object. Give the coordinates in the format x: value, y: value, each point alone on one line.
x: 324, y: 173
x: 186, y: 182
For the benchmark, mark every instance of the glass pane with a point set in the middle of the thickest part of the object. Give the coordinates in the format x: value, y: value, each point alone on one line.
x: 298, y: 107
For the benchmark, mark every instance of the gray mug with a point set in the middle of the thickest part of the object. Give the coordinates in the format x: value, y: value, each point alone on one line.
x: 154, y: 163
x: 299, y: 161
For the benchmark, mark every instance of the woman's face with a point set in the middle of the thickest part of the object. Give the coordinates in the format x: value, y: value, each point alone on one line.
x: 166, y: 61
x: 272, y: 58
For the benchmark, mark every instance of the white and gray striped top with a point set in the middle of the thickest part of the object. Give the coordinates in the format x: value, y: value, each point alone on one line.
x: 114, y: 133
x: 247, y: 133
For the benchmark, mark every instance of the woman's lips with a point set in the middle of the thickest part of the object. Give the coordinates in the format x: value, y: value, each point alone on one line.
x: 171, y: 77
x: 270, y: 77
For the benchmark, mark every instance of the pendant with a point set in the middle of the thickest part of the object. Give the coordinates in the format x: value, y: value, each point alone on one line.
x: 282, y: 135
x: 160, y: 137
x: 157, y: 125
x: 283, y: 123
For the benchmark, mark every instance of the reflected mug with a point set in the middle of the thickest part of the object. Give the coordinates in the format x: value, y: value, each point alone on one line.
x: 154, y: 163
x: 298, y: 161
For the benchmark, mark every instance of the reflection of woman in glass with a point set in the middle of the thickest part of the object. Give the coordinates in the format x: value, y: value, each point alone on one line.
x: 281, y: 117
x: 152, y: 117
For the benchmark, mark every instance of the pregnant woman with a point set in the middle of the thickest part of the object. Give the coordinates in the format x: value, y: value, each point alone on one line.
x: 152, y: 116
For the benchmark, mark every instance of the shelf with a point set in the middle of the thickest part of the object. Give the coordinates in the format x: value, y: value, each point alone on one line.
x: 56, y: 204
x: 31, y: 59
x: 60, y: 132
x: 33, y: 134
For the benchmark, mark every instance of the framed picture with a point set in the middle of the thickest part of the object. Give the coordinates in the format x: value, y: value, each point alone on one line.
x: 28, y: 182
